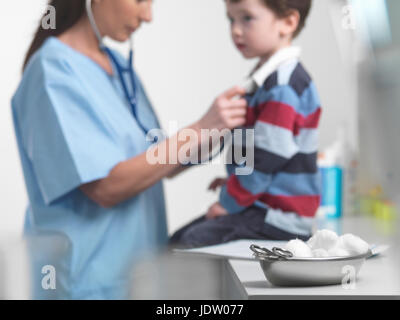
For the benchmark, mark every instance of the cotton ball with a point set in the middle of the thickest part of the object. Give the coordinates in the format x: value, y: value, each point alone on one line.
x: 299, y: 249
x: 338, y: 251
x: 323, y: 239
x: 320, y: 253
x: 355, y: 245
x: 312, y: 241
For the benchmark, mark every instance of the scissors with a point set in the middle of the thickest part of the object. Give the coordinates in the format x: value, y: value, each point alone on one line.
x: 274, y: 254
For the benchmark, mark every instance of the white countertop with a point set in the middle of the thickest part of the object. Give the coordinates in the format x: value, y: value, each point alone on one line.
x: 378, y: 277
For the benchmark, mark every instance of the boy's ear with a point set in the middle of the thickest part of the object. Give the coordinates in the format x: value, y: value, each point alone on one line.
x: 289, y: 24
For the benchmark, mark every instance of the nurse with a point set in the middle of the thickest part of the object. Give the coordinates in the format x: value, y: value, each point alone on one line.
x: 83, y: 147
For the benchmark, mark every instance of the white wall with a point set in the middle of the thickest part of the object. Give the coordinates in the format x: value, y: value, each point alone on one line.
x: 18, y: 19
x: 185, y: 58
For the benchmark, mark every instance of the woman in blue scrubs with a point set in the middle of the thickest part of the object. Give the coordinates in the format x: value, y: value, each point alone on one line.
x: 84, y: 153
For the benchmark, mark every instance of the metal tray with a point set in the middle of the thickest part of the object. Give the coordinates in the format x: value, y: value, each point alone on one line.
x: 282, y: 269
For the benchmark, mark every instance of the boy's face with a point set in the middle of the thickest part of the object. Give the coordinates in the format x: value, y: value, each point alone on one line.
x: 255, y: 29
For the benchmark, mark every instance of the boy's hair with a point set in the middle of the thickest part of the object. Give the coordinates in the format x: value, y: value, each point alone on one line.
x: 282, y: 8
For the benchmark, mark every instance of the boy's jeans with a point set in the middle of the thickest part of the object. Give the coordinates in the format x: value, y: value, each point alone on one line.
x: 248, y: 224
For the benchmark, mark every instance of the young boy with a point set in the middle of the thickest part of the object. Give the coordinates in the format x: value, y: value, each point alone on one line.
x: 280, y: 198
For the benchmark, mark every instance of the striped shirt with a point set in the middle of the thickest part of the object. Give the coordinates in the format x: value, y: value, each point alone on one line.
x: 284, y: 111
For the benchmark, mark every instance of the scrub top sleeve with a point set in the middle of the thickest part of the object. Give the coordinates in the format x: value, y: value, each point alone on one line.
x: 69, y: 143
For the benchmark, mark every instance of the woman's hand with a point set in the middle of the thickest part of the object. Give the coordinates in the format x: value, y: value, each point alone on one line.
x: 226, y: 112
x: 217, y: 183
x: 215, y: 211
x: 133, y: 176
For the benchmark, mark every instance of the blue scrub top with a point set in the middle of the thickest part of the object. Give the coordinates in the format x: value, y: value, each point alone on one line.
x: 73, y: 125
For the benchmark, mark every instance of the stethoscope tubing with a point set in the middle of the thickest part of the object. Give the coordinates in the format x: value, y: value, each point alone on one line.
x: 121, y: 70
x: 131, y: 98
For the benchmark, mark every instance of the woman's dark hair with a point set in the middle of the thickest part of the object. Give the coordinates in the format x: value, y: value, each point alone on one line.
x: 68, y: 12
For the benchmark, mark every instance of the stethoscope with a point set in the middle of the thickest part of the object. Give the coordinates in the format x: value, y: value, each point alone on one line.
x: 129, y: 70
x: 121, y: 70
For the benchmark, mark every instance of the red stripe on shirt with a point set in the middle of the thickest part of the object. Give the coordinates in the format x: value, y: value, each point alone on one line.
x: 282, y: 115
x: 242, y: 196
x: 277, y: 113
x: 251, y: 117
x: 305, y: 206
x: 309, y: 122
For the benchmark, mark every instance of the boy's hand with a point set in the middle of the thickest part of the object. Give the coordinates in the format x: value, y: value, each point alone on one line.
x: 216, y: 210
x: 218, y: 182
